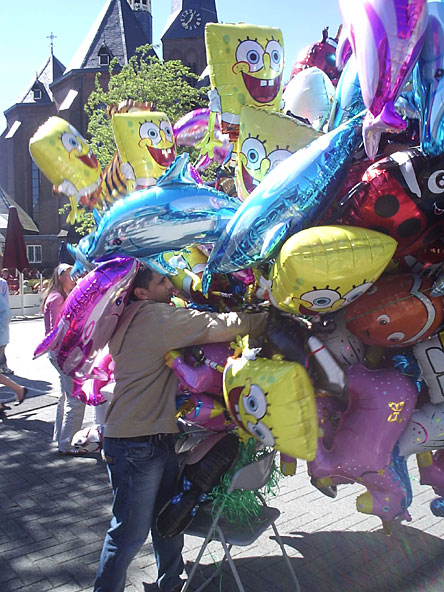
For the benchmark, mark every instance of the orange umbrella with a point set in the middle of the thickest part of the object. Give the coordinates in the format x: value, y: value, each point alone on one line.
x: 14, y: 254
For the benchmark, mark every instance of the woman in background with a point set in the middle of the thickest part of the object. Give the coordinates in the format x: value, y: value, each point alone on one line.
x: 70, y: 410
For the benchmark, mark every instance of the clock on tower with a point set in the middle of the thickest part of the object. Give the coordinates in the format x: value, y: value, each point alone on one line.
x: 190, y: 19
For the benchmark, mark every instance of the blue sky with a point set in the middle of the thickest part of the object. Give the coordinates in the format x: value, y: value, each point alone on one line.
x: 24, y: 43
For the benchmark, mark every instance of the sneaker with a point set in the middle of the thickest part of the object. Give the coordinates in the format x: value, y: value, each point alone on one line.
x: 6, y: 370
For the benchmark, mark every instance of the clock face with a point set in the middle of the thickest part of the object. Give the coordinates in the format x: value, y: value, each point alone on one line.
x: 190, y: 19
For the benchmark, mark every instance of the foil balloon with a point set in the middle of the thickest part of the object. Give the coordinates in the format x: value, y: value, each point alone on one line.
x: 204, y: 411
x: 398, y: 311
x: 186, y: 271
x: 347, y: 261
x: 309, y: 95
x: 428, y: 261
x: 171, y: 215
x: 321, y: 54
x: 246, y: 64
x: 342, y: 344
x: 200, y: 368
x: 388, y: 494
x: 146, y: 145
x: 103, y: 373
x: 348, y: 100
x: 402, y: 195
x: 265, y: 140
x: 424, y: 431
x: 65, y: 158
x: 430, y: 357
x: 380, y: 405
x: 273, y: 401
x: 88, y: 320
x: 386, y: 37
x: 290, y: 198
x: 325, y: 372
x: 191, y: 128
x: 429, y: 82
x: 431, y: 471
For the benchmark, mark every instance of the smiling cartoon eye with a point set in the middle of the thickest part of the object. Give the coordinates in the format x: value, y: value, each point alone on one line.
x: 251, y: 52
x: 261, y: 432
x: 255, y: 403
x: 151, y: 131
x: 254, y: 152
x: 118, y: 301
x: 71, y: 142
x: 383, y: 320
x: 166, y: 128
x: 321, y: 298
x: 356, y: 292
x: 436, y: 182
x: 277, y: 156
x: 274, y: 50
x: 396, y: 337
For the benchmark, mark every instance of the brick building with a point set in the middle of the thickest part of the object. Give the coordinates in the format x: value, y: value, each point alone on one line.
x: 121, y: 27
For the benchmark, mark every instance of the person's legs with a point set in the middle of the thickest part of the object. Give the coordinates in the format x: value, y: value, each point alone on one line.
x: 136, y: 471
x: 168, y: 551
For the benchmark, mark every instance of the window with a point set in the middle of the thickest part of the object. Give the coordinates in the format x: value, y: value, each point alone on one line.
x: 34, y: 253
x: 104, y: 57
x: 37, y: 94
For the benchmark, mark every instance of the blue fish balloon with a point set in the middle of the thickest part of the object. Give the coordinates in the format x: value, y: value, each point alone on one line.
x: 429, y: 83
x: 171, y: 215
x: 348, y: 100
x: 292, y: 197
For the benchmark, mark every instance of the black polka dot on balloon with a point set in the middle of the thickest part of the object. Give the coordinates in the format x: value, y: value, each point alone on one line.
x: 380, y: 229
x: 386, y: 206
x: 409, y: 227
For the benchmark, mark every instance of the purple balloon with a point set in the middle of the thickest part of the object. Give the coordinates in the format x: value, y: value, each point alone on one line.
x: 386, y: 37
x: 380, y: 405
x: 88, y: 320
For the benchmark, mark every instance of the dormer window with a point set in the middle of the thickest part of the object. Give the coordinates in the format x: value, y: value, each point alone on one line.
x: 104, y: 57
x: 36, y: 94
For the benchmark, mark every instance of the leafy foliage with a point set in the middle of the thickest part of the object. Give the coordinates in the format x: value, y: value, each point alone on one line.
x: 168, y: 85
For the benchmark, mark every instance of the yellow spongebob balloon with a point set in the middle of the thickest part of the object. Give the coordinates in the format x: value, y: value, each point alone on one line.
x: 146, y: 144
x: 189, y: 265
x: 324, y: 268
x: 246, y: 64
x: 65, y: 158
x: 265, y: 140
x: 273, y: 400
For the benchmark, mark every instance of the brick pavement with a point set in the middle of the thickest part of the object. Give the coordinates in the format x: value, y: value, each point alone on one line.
x: 55, y: 511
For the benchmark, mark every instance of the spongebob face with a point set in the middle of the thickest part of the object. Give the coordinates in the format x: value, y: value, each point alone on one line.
x: 246, y: 64
x: 145, y: 139
x: 273, y: 401
x: 265, y: 140
x: 347, y: 261
x: 64, y: 156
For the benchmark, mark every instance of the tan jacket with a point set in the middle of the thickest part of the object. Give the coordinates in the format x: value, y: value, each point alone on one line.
x: 145, y: 391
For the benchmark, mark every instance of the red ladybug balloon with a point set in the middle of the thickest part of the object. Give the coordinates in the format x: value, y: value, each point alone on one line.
x: 403, y: 196
x: 397, y: 311
x: 321, y: 54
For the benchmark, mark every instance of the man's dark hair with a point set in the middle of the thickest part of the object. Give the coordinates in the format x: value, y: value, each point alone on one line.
x: 142, y: 279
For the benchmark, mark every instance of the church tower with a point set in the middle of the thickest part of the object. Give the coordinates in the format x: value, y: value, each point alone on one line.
x: 183, y: 37
x: 142, y: 12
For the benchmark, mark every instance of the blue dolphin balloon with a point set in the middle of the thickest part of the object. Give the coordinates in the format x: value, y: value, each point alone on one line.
x: 173, y: 214
x: 292, y: 197
x: 429, y: 82
x: 348, y: 100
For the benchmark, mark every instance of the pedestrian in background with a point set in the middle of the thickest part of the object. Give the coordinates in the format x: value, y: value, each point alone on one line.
x: 70, y: 410
x: 4, y: 320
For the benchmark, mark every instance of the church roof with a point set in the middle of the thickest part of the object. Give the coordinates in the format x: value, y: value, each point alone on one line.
x: 51, y: 70
x: 26, y: 221
x: 115, y: 31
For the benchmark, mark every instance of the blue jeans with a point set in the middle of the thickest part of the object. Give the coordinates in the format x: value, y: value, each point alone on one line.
x: 143, y: 477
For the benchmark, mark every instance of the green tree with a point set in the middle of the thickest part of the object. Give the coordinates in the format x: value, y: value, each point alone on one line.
x: 168, y: 85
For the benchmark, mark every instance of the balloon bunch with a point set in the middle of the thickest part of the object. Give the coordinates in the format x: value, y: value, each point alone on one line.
x: 344, y: 252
